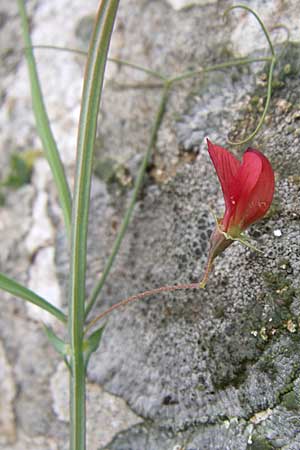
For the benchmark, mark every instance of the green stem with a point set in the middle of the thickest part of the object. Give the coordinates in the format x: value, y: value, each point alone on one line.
x: 263, y: 116
x: 151, y: 72
x: 43, y: 126
x: 92, y: 90
x: 122, y: 62
x: 138, y: 183
x: 77, y: 401
x: 270, y: 78
x: 251, y: 11
x: 16, y: 289
x: 224, y: 65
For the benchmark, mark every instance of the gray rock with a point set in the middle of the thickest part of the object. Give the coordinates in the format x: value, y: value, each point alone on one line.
x: 107, y: 414
x: 8, y: 392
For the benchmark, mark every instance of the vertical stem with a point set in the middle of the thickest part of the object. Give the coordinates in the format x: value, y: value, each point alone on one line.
x: 77, y: 401
x: 92, y: 90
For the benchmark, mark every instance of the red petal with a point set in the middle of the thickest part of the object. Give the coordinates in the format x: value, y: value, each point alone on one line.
x: 248, y: 176
x: 254, y: 203
x: 227, y: 167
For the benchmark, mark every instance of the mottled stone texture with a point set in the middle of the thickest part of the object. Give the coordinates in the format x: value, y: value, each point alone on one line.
x: 213, y: 369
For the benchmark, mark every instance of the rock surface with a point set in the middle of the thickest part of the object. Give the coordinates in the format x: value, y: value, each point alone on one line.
x: 196, y: 370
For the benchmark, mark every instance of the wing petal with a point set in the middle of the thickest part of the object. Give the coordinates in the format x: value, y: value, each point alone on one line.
x: 227, y: 167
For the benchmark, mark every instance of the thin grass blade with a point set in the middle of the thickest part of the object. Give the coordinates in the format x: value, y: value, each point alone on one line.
x: 43, y: 126
x: 13, y: 287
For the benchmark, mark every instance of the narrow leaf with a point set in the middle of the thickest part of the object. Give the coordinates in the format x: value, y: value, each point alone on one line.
x: 43, y: 125
x: 16, y: 289
x: 92, y: 343
x: 59, y: 345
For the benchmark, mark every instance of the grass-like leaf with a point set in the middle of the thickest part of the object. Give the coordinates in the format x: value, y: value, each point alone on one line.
x: 92, y: 343
x: 16, y: 289
x: 58, y: 344
x: 43, y: 126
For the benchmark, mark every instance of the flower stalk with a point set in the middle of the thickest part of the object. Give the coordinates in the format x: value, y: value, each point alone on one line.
x: 140, y: 296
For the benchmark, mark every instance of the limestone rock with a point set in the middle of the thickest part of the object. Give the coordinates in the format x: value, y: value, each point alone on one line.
x: 181, y: 4
x: 7, y: 395
x: 107, y: 414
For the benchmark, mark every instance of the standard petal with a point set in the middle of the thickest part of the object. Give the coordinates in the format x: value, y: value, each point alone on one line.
x: 261, y: 195
x: 227, y: 167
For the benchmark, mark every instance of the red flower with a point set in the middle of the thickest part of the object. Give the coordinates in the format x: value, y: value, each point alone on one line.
x: 248, y: 189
